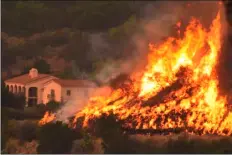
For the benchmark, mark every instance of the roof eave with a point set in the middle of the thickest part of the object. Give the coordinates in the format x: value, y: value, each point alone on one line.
x: 40, y: 79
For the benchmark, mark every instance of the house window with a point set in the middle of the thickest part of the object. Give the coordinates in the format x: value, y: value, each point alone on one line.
x: 68, y: 92
x: 52, y: 94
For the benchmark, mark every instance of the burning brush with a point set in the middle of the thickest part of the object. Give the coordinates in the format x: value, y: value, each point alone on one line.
x: 48, y: 117
x: 178, y: 89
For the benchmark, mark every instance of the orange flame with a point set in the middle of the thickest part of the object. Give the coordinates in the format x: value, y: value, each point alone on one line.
x: 48, y: 117
x: 195, y: 106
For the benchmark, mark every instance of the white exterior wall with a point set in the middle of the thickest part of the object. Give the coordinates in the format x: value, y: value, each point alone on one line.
x: 61, y: 92
x: 39, y: 85
x: 44, y: 87
x: 76, y: 93
x: 47, y: 91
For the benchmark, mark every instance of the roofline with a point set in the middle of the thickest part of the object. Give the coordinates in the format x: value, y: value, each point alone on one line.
x: 46, y: 83
x: 53, y: 80
x: 23, y: 75
x: 14, y: 77
x: 39, y: 79
x: 9, y: 82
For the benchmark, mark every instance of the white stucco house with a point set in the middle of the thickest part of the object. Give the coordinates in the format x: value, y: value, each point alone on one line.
x: 66, y: 90
x: 41, y: 88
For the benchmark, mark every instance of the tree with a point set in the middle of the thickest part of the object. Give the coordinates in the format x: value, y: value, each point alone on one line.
x: 53, y: 106
x: 11, y: 100
x: 126, y: 29
x: 98, y: 15
x: 26, y: 70
x: 26, y: 17
x: 114, y: 139
x: 87, y: 143
x: 4, y: 129
x: 66, y: 74
x: 78, y: 50
x: 6, y: 56
x: 27, y: 131
x: 6, y: 96
x: 55, y: 138
x: 42, y: 66
x: 28, y: 47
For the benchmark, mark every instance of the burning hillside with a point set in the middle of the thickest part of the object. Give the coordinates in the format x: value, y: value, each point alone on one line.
x: 178, y: 89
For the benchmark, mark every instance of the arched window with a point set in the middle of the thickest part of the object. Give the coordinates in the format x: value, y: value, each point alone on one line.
x: 19, y: 89
x: 23, y: 90
x: 11, y: 88
x: 52, y: 95
x: 7, y: 87
x: 15, y: 89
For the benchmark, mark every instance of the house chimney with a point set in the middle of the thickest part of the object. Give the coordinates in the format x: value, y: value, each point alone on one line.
x: 33, y: 73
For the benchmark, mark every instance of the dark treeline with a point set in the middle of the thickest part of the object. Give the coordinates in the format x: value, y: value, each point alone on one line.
x: 32, y: 29
x: 23, y: 18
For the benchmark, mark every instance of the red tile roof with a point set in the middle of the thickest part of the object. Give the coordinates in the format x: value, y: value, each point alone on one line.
x: 74, y: 83
x: 25, y: 79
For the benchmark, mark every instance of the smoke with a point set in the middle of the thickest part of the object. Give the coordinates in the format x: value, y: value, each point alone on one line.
x: 114, y: 68
x: 157, y: 21
x: 99, y: 45
x: 72, y: 106
x: 224, y: 66
x: 154, y: 24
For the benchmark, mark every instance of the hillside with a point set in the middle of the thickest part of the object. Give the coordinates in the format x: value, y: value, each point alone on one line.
x: 67, y: 34
x: 56, y: 31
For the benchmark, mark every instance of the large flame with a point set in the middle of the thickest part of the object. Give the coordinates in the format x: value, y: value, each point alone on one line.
x: 184, y: 69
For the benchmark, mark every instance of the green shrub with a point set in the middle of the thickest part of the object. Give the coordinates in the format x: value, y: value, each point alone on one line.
x: 15, y: 146
x: 221, y: 146
x: 145, y: 147
x: 31, y: 111
x: 13, y: 128
x: 55, y: 138
x: 37, y: 110
x: 114, y: 139
x: 53, y: 106
x: 79, y: 146
x: 84, y: 145
x: 28, y: 131
x: 41, y: 108
x: 4, y: 129
x: 87, y: 144
x: 10, y: 100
